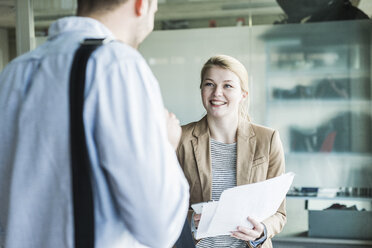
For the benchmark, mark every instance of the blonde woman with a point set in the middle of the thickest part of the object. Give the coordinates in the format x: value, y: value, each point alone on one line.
x: 224, y: 149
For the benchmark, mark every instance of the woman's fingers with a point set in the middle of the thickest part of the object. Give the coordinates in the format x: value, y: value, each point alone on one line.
x: 247, y: 234
x: 197, y: 216
x: 197, y: 219
x: 257, y: 226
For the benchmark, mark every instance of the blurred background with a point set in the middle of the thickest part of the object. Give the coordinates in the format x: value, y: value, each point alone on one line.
x: 309, y: 64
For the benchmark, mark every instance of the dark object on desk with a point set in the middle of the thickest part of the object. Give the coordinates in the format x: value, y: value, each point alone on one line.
x: 303, y: 191
x: 339, y: 223
x: 185, y: 240
x: 302, y: 11
x: 342, y: 207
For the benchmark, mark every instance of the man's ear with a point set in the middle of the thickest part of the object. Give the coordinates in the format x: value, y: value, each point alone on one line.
x: 138, y: 7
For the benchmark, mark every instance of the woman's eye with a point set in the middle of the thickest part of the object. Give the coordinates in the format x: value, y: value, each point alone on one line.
x: 208, y: 84
x: 228, y: 86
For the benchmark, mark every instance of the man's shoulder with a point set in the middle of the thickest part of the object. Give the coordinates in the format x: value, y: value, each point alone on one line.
x: 119, y: 52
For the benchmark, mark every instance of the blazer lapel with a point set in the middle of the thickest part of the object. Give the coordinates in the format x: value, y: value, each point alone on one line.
x: 246, y: 146
x: 202, y: 155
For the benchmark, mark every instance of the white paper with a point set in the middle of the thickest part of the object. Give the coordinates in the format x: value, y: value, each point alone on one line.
x: 208, y: 211
x: 197, y: 207
x: 258, y: 200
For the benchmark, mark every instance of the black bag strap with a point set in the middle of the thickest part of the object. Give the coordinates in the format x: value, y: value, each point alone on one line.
x: 185, y: 240
x: 80, y: 163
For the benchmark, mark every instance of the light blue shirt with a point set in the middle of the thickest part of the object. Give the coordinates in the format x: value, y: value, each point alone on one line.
x: 140, y: 193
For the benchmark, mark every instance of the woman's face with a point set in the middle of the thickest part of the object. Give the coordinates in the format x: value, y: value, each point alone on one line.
x: 221, y: 93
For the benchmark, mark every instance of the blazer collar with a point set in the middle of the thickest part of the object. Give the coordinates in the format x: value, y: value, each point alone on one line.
x: 201, y: 128
x: 202, y: 153
x: 245, y: 130
x: 246, y: 145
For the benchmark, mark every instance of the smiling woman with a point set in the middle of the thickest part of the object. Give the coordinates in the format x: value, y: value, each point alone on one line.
x: 224, y: 149
x: 232, y: 72
x: 221, y: 93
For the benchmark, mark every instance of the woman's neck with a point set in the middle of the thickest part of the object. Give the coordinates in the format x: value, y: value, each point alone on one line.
x: 223, y: 130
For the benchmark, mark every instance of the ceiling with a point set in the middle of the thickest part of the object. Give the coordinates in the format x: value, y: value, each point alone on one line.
x: 46, y: 11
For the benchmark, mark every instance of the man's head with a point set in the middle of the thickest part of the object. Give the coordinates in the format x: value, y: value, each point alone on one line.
x: 86, y: 7
x: 129, y: 20
x: 145, y: 10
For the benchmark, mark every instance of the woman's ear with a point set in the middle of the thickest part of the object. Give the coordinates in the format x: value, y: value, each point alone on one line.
x: 244, y: 94
x: 138, y: 7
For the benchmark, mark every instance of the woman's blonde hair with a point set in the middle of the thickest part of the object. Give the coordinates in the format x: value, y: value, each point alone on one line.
x: 232, y: 64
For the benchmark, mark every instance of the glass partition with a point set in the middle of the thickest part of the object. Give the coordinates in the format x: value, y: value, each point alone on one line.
x: 318, y: 94
x: 312, y: 82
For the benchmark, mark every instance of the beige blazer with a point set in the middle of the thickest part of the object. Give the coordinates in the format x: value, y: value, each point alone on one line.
x: 259, y: 157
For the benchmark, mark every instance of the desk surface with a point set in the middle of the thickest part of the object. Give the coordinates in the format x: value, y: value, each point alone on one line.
x: 303, y: 238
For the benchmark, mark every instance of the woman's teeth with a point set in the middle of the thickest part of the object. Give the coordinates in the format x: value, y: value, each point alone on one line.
x: 217, y: 103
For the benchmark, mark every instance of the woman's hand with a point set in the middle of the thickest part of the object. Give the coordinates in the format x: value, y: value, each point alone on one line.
x: 197, y: 220
x: 247, y: 234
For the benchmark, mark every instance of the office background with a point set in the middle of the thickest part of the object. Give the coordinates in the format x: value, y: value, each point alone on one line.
x: 311, y: 80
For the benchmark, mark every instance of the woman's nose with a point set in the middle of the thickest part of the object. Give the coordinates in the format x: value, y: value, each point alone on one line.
x: 217, y: 91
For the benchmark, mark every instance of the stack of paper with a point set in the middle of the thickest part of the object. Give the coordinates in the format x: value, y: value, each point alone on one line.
x: 257, y: 200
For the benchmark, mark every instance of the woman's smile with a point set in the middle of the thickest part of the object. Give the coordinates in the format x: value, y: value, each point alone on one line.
x: 217, y: 103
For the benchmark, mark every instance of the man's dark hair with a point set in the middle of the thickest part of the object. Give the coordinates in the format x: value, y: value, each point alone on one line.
x: 85, y: 7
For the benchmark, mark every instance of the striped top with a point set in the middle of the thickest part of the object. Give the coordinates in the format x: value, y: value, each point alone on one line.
x: 223, y: 177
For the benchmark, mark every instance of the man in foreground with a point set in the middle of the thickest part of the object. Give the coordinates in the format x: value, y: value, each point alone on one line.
x: 139, y: 191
